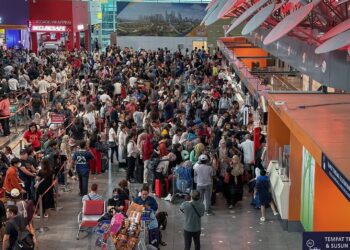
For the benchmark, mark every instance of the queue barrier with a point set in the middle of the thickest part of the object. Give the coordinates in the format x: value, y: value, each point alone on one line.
x: 24, y: 110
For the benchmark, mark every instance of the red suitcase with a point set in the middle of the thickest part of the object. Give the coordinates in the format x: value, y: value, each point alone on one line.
x: 158, y: 187
x: 158, y: 190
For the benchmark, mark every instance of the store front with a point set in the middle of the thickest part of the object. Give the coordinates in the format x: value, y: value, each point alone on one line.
x: 14, y: 24
x: 64, y: 24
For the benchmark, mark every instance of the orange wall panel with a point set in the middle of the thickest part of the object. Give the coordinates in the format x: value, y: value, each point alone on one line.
x: 251, y: 52
x: 295, y: 172
x: 278, y: 134
x: 331, y: 208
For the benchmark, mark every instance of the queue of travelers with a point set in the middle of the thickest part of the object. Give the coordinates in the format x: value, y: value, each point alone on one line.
x: 172, y: 120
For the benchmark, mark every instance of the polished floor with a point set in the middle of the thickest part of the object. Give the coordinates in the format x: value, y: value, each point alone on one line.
x: 235, y: 229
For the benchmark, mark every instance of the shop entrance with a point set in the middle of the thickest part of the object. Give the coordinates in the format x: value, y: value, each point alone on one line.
x: 51, y: 40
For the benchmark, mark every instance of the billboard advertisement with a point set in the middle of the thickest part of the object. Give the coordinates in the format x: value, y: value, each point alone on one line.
x: 160, y: 19
x: 307, y: 191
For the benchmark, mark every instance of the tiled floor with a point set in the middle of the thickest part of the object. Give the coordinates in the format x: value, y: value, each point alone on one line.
x: 234, y: 229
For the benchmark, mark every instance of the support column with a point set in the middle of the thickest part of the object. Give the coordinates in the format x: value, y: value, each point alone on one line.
x: 310, y: 84
x: 77, y: 40
x: 87, y: 39
x: 34, y: 39
x: 71, y: 40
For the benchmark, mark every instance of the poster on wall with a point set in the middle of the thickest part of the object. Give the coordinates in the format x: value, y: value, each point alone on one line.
x: 160, y: 19
x: 338, y: 178
x: 307, y: 191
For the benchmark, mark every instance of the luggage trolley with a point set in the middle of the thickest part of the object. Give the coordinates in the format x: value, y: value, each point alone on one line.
x: 182, y: 183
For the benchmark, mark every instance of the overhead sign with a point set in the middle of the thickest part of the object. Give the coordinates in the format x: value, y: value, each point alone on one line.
x: 57, y: 118
x: 336, y: 176
x: 80, y: 27
x: 48, y: 28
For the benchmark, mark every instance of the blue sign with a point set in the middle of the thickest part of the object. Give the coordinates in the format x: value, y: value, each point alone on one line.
x: 326, y: 240
x: 336, y: 176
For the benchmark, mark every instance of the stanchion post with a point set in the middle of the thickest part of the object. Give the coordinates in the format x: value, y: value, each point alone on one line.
x: 16, y: 125
x: 41, y: 211
x: 56, y: 194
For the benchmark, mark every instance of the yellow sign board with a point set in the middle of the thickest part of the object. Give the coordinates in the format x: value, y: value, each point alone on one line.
x: 2, y: 31
x: 99, y: 15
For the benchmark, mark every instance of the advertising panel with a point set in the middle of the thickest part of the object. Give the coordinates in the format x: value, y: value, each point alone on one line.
x: 307, y: 191
x: 337, y: 177
x: 160, y: 19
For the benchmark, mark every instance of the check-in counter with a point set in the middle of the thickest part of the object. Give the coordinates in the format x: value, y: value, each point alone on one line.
x: 280, y: 186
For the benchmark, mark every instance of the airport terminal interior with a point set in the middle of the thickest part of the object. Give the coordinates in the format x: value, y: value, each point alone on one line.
x: 174, y: 124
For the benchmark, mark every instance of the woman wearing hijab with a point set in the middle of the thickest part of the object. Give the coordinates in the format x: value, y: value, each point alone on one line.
x: 235, y: 181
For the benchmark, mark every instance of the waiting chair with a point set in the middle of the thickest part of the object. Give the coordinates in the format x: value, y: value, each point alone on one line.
x: 92, y: 211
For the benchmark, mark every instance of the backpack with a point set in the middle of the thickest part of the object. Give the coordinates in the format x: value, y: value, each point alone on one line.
x: 25, y: 239
x: 153, y: 163
x: 36, y: 99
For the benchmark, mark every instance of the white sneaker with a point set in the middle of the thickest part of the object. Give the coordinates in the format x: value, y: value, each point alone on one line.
x: 275, y: 214
x: 230, y: 207
x: 168, y: 198
x: 262, y: 219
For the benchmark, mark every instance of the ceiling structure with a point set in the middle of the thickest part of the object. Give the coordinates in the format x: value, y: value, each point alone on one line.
x: 313, y: 22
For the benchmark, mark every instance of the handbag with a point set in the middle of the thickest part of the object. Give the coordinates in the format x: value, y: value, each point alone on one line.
x: 112, y: 144
x: 227, y: 178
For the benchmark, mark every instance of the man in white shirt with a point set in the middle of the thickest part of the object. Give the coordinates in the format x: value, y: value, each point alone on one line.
x: 104, y: 97
x: 248, y: 152
x: 43, y: 86
x: 117, y: 88
x: 13, y: 84
x: 133, y: 80
x: 177, y: 136
x: 203, y: 174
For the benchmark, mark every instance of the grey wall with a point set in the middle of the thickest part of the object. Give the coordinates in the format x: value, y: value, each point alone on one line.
x: 155, y: 42
x: 216, y: 30
x: 331, y: 69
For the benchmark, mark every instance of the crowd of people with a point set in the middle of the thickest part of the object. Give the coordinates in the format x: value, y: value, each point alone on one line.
x: 172, y: 120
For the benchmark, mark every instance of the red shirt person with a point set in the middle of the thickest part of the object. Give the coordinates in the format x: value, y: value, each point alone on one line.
x: 32, y: 136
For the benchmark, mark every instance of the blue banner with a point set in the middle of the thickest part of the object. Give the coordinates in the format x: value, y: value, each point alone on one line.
x: 336, y: 176
x: 326, y: 240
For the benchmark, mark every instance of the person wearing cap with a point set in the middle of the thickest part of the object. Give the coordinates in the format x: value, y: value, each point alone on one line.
x: 11, y: 179
x: 5, y: 114
x: 203, y: 174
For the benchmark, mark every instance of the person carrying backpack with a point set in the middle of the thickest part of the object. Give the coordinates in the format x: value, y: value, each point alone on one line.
x: 17, y: 233
x: 36, y: 102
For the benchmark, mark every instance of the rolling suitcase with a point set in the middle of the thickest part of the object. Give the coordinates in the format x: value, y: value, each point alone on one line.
x: 158, y: 187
